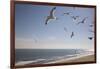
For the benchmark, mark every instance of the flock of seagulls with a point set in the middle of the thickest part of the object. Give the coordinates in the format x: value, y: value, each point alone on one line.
x: 52, y: 16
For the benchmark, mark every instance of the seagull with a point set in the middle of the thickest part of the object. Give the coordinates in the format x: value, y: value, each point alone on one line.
x: 51, y: 16
x: 72, y: 34
x: 75, y: 17
x: 83, y: 21
x: 90, y: 38
x: 90, y: 25
x: 67, y: 13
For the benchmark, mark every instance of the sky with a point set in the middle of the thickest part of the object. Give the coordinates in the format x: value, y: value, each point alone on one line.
x: 32, y: 33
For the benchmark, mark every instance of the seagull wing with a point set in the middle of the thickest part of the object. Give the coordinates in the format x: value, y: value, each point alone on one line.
x: 52, y: 11
x: 72, y: 34
x: 84, y: 19
x: 90, y: 38
x: 77, y: 16
x: 47, y: 20
x: 91, y: 25
x: 67, y: 13
x: 79, y: 22
x: 72, y: 16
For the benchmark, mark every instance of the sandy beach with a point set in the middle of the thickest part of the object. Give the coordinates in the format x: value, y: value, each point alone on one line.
x: 80, y: 59
x: 83, y: 59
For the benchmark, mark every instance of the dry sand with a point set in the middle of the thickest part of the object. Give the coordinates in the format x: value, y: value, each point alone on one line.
x: 83, y: 59
x: 88, y: 58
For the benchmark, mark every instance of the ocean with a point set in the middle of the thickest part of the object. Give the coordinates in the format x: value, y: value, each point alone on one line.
x: 44, y: 55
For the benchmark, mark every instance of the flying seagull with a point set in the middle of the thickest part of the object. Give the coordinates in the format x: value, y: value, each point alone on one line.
x: 51, y: 16
x: 67, y: 13
x: 90, y: 25
x: 83, y: 21
x: 90, y: 38
x: 75, y: 17
x: 72, y: 34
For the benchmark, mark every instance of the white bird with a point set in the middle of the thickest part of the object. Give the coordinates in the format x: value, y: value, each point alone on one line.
x: 83, y: 21
x: 75, y: 17
x: 51, y: 16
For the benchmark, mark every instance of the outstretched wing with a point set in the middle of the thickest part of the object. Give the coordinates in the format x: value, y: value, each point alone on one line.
x: 79, y: 22
x: 72, y: 34
x: 77, y: 16
x: 90, y: 38
x: 84, y: 19
x: 46, y: 22
x: 52, y: 11
x: 72, y: 16
x: 90, y: 25
x: 67, y: 13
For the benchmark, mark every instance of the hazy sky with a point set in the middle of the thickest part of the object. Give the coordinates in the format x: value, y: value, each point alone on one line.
x: 32, y: 33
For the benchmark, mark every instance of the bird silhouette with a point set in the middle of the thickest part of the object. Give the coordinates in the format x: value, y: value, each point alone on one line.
x: 67, y: 13
x: 90, y: 25
x: 90, y: 38
x: 51, y: 16
x: 75, y: 17
x: 72, y: 34
x: 83, y: 21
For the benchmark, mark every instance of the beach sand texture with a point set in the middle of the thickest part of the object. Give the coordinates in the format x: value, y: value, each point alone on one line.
x: 80, y: 59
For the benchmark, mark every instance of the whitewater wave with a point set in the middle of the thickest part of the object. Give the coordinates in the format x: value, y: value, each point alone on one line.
x: 52, y: 59
x: 43, y: 61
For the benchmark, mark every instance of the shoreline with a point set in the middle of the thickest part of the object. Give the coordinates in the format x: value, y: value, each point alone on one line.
x: 77, y: 58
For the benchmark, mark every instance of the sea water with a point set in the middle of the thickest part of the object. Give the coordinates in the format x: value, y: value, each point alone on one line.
x: 44, y: 55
